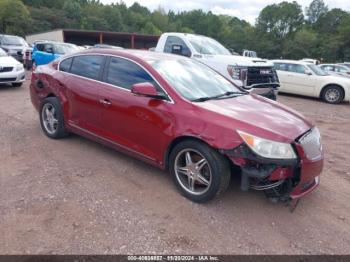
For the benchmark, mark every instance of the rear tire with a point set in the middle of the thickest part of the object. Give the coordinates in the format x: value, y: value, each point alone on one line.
x: 51, y: 118
x: 333, y: 94
x: 199, y: 172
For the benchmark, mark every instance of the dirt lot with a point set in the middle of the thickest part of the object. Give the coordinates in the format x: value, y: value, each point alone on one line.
x: 74, y: 196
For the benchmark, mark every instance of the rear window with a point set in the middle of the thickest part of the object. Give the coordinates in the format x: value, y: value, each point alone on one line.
x: 87, y: 66
x: 65, y: 65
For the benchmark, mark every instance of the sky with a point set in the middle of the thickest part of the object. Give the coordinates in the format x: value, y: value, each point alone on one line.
x: 243, y: 9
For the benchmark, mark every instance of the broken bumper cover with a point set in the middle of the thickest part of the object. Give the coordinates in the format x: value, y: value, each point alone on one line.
x: 297, y: 177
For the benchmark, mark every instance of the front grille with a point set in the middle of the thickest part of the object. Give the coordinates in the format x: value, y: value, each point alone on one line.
x: 261, y: 75
x: 6, y: 69
x: 311, y: 144
x: 7, y: 79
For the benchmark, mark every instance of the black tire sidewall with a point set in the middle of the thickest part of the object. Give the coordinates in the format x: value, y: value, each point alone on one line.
x: 61, y: 131
x: 333, y: 87
x: 217, y: 163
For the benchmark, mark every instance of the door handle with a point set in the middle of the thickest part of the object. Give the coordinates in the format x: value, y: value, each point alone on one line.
x: 105, y: 102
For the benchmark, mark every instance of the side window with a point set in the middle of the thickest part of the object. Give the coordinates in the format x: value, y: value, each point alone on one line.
x: 300, y: 69
x: 48, y: 48
x: 340, y: 69
x: 40, y: 47
x: 328, y: 68
x: 174, y: 40
x: 281, y: 67
x: 124, y: 73
x: 87, y: 66
x: 65, y: 65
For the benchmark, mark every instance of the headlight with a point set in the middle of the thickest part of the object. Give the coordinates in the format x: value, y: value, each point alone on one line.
x: 237, y: 72
x: 268, y: 148
x: 19, y: 67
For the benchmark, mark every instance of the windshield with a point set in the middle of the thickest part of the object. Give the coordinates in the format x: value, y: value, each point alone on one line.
x: 2, y: 53
x: 207, y: 46
x: 65, y: 49
x: 317, y: 70
x: 13, y: 40
x: 192, y: 79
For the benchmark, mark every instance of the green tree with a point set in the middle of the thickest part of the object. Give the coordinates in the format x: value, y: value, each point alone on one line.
x: 72, y: 9
x: 280, y: 19
x: 316, y: 9
x: 14, y: 17
x: 303, y: 44
x: 160, y: 19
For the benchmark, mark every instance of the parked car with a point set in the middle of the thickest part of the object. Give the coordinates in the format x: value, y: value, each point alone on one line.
x: 302, y: 78
x: 107, y: 46
x: 11, y: 71
x: 253, y: 74
x: 337, y: 69
x: 311, y: 61
x: 193, y: 122
x: 347, y: 64
x: 45, y: 52
x: 13, y: 45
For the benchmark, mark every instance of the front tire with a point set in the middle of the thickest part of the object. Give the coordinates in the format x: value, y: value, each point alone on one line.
x: 199, y: 172
x: 51, y: 118
x: 333, y: 94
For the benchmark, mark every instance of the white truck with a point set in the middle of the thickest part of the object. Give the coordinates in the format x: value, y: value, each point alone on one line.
x: 253, y: 74
x: 248, y: 53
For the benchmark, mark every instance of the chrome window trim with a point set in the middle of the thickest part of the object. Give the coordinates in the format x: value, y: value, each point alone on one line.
x: 119, y: 87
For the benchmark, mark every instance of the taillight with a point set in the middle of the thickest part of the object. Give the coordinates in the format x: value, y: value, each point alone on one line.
x: 55, y: 65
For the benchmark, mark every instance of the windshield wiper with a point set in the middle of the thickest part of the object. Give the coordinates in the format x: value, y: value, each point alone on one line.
x: 229, y: 93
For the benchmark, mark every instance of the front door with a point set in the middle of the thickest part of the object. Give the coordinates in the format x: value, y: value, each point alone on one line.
x: 135, y: 122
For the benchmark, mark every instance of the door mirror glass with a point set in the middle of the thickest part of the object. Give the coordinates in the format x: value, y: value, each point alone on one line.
x: 146, y: 89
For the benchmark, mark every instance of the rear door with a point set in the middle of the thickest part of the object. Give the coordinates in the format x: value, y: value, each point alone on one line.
x: 81, y: 84
x: 282, y: 72
x: 135, y: 122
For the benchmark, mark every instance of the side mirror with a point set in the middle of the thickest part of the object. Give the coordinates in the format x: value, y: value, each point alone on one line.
x: 176, y: 49
x: 146, y: 89
x: 308, y: 72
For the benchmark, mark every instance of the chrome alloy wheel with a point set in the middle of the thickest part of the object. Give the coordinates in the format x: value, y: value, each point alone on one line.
x: 193, y: 171
x: 49, y: 118
x: 332, y: 95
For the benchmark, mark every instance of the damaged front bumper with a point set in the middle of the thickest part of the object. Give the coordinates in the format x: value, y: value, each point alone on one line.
x: 280, y: 179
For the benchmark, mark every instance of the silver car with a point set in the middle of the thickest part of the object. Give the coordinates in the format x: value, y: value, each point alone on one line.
x: 14, y: 46
x: 337, y: 69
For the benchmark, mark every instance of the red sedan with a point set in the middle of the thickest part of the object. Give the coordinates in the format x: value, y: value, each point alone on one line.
x: 178, y: 114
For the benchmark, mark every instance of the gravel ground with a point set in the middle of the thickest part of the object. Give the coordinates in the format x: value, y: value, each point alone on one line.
x: 74, y: 196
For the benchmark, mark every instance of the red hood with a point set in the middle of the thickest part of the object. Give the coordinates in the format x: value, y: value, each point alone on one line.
x: 259, y: 116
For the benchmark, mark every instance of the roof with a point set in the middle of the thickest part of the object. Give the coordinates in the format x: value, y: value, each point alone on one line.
x: 140, y: 54
x: 299, y: 62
